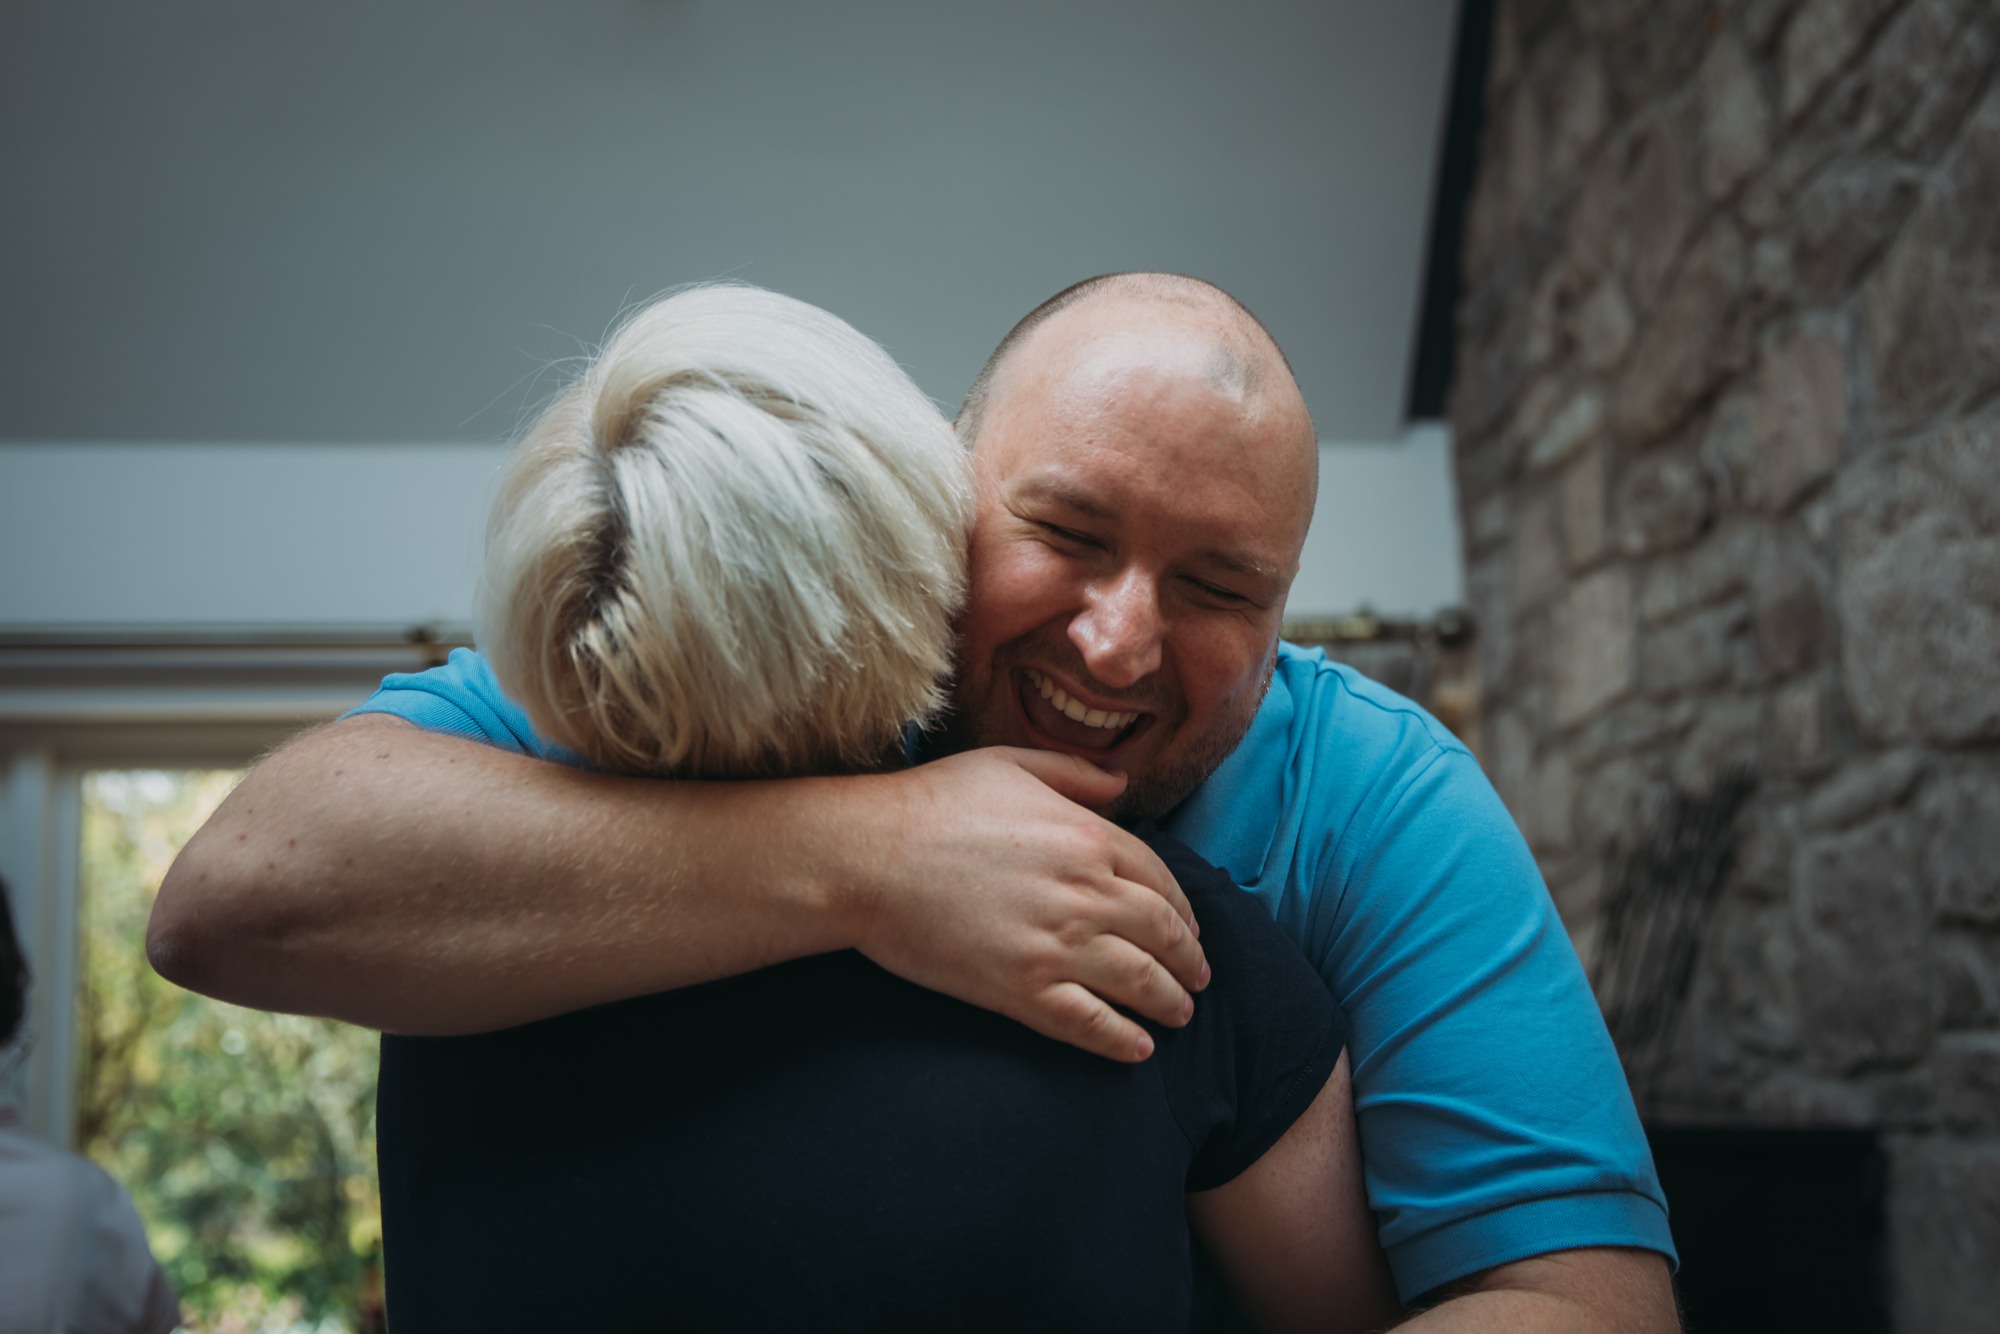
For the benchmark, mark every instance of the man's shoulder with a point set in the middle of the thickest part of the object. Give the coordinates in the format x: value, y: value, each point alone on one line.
x: 1329, y: 698
x: 1341, y: 738
x: 461, y: 697
x: 1327, y: 753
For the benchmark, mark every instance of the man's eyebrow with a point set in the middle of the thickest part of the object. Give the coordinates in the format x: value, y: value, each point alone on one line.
x: 1244, y: 565
x: 1055, y: 491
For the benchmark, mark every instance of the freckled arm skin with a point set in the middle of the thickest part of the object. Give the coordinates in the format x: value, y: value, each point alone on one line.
x: 376, y: 873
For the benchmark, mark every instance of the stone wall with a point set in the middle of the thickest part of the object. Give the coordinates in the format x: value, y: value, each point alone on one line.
x: 1728, y: 418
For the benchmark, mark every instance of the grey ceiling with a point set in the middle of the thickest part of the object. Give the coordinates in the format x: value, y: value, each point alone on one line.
x: 382, y: 221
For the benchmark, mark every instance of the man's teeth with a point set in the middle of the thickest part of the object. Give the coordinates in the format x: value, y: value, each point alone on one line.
x: 1075, y: 709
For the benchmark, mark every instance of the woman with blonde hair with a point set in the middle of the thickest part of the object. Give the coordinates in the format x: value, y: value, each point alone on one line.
x: 733, y: 549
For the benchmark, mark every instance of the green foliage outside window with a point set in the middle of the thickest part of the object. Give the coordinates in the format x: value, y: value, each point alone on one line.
x: 247, y: 1140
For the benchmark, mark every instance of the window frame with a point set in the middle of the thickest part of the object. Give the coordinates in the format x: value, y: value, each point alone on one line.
x: 71, y: 704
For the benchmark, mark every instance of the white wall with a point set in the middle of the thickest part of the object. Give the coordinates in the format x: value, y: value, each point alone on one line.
x: 1385, y: 531
x: 264, y: 536
x: 312, y: 537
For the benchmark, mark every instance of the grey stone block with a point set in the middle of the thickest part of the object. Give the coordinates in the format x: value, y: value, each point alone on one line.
x: 1968, y: 1081
x: 1933, y: 308
x: 1761, y: 20
x: 1945, y: 98
x: 1767, y: 840
x: 1654, y: 214
x: 1906, y: 56
x: 1723, y: 564
x: 1718, y: 567
x: 1565, y: 80
x: 1550, y: 824
x: 1864, y: 948
x: 1487, y: 522
x: 1508, y: 757
x: 1633, y: 725
x: 1653, y: 56
x: 1730, y: 445
x: 1960, y: 814
x: 1603, y: 18
x: 1791, y: 1098
x: 1576, y: 884
x: 1944, y: 1229
x: 1693, y: 653
x: 1663, y: 502
x: 1537, y: 554
x: 1754, y: 957
x: 1580, y: 500
x: 1802, y: 728
x: 1821, y: 37
x: 1773, y: 281
x: 1603, y: 327
x: 1801, y: 414
x: 1844, y: 218
x: 1486, y: 590
x: 1906, y: 1099
x: 1736, y: 129
x: 1967, y: 994
x: 1698, y: 334
x: 1594, y: 239
x: 1793, y: 625
x: 1492, y: 357
x: 1919, y: 603
x: 1591, y: 645
x: 1865, y: 787
x: 1579, y: 422
x: 1615, y: 802
x: 1729, y: 732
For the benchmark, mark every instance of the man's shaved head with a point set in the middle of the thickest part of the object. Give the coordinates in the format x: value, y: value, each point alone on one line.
x: 1146, y: 475
x: 1245, y: 354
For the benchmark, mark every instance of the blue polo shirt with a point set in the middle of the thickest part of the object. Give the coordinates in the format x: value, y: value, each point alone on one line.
x: 1493, y: 1111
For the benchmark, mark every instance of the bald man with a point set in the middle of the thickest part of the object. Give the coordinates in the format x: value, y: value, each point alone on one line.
x: 1146, y: 471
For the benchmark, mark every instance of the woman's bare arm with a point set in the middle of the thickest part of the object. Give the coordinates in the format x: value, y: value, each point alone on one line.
x: 1293, y: 1236
x: 1295, y: 1240
x: 420, y: 883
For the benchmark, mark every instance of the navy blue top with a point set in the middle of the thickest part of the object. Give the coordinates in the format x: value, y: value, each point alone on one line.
x: 822, y: 1145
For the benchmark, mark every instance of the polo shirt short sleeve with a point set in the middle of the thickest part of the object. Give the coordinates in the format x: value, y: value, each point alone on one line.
x: 1492, y: 1106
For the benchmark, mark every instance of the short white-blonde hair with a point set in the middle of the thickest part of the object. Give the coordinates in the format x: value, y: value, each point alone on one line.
x: 733, y: 547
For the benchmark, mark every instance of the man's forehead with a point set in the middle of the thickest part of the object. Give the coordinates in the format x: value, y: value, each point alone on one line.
x: 1117, y: 337
x: 1177, y: 381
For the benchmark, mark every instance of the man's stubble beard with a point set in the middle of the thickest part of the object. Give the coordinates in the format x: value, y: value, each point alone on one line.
x: 1149, y: 795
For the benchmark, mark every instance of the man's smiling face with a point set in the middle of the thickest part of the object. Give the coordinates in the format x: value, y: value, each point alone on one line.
x: 1146, y: 475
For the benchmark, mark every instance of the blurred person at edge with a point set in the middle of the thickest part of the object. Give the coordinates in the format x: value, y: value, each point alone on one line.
x: 73, y: 1255
x: 1146, y: 472
x: 733, y: 550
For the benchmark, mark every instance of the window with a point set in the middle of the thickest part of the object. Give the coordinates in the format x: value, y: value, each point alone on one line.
x: 246, y: 1139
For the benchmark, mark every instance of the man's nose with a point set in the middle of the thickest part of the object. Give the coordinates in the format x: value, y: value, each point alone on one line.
x: 1118, y: 632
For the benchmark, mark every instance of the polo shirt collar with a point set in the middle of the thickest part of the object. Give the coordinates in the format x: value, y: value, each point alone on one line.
x: 1231, y: 819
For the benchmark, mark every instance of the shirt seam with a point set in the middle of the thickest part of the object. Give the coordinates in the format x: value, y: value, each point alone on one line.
x: 1402, y: 708
x: 1524, y: 1248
